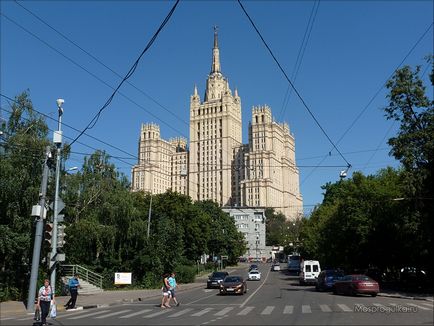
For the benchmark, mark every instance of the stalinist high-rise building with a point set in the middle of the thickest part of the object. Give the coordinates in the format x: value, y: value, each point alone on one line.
x: 217, y: 165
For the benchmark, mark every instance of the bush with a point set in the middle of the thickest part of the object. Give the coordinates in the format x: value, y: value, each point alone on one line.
x: 185, y: 274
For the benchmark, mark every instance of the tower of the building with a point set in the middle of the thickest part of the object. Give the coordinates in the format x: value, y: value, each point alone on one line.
x: 215, y: 131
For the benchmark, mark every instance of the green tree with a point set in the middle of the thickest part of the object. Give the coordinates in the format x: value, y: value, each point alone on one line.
x: 22, y: 148
x: 413, y: 146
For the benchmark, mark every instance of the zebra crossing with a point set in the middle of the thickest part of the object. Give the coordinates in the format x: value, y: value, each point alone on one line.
x: 233, y: 310
x: 200, y: 311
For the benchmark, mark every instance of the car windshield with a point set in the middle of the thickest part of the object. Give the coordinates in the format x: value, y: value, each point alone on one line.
x: 254, y: 272
x: 361, y: 278
x: 253, y: 266
x: 219, y: 274
x: 232, y: 279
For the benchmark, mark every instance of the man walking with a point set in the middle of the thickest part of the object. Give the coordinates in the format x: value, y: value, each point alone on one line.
x: 172, y: 288
x: 73, y: 285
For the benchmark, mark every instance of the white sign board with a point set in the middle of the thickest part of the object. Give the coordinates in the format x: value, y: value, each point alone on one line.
x: 122, y: 278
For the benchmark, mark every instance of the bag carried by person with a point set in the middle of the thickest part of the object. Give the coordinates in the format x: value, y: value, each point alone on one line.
x: 37, y: 316
x: 53, y: 310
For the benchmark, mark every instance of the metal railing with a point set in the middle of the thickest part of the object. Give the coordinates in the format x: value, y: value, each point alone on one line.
x: 85, y: 274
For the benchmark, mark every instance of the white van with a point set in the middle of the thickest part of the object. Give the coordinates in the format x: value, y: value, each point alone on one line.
x: 309, y: 271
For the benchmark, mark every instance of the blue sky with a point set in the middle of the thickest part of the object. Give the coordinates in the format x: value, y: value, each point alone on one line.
x: 353, y: 47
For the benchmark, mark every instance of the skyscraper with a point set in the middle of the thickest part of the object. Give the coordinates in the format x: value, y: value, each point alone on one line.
x: 217, y: 165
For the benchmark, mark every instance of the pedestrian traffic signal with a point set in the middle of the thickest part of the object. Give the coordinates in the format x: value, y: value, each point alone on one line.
x: 48, y: 232
x: 60, y: 235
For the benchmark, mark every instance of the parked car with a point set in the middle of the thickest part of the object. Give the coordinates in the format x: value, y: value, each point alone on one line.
x: 275, y: 267
x: 233, y: 285
x: 309, y: 271
x: 215, y: 279
x: 327, y: 278
x: 253, y: 266
x: 356, y: 284
x: 254, y: 274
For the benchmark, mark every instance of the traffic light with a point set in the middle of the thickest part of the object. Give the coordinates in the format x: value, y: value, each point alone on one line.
x: 48, y: 232
x: 60, y: 235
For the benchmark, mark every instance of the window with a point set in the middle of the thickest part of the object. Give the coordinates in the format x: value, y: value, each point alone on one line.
x: 308, y: 269
x: 315, y: 268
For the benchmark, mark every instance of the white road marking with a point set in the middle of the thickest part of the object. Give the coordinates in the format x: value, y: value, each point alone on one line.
x: 202, y: 312
x: 158, y: 313
x: 288, y: 310
x: 268, y: 310
x: 325, y: 308
x: 418, y: 306
x: 306, y: 309
x: 430, y: 305
x: 113, y: 314
x: 223, y: 311
x: 259, y: 287
x: 136, y: 313
x: 344, y: 307
x: 89, y: 315
x: 245, y: 311
x: 208, y: 290
x: 182, y: 312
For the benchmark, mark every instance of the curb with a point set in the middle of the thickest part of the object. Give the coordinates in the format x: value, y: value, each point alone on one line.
x: 404, y: 297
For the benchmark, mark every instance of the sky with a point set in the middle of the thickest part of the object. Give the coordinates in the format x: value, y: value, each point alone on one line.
x: 350, y: 50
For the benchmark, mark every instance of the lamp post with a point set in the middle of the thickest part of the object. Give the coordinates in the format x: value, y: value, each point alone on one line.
x: 57, y: 139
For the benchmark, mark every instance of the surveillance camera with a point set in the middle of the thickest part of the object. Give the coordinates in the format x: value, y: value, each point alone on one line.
x: 60, y: 102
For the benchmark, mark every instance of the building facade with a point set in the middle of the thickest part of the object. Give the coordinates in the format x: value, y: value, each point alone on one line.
x: 251, y: 223
x: 217, y: 165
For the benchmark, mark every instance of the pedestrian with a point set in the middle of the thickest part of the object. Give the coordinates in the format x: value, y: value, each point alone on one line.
x: 166, y: 293
x: 172, y: 288
x: 73, y: 285
x: 45, y: 295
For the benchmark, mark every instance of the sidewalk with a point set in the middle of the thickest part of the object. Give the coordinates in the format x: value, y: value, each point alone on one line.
x: 108, y: 298
x: 405, y: 295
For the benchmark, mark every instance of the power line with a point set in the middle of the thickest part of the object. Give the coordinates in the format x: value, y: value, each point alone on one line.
x: 75, y: 129
x: 100, y: 62
x: 130, y: 72
x: 373, y: 97
x: 292, y: 85
x: 300, y: 55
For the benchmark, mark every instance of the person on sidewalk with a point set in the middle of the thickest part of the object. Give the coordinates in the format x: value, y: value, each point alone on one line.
x: 172, y: 287
x: 45, y: 295
x: 166, y: 293
x: 73, y: 285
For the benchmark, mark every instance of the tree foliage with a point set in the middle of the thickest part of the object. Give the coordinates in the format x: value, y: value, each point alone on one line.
x: 384, y: 220
x: 106, y: 223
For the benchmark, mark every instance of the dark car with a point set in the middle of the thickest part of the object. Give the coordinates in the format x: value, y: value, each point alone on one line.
x: 356, y: 284
x: 215, y: 279
x: 233, y: 285
x: 327, y: 278
x: 253, y: 266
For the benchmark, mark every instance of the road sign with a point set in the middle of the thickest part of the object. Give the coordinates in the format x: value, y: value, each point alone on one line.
x: 225, y: 257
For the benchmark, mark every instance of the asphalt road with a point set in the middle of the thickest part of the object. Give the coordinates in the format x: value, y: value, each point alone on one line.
x: 275, y: 300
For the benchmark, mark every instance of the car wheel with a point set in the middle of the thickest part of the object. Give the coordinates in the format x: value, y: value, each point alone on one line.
x: 335, y: 291
x: 374, y: 294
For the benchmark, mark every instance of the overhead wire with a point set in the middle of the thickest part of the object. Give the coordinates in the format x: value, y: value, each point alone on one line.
x: 292, y: 85
x: 95, y: 119
x: 100, y: 62
x: 300, y: 55
x: 373, y: 97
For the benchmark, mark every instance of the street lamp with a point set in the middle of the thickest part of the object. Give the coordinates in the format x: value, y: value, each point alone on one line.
x: 57, y: 139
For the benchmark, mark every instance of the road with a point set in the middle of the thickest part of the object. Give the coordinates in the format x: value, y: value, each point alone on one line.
x: 275, y: 300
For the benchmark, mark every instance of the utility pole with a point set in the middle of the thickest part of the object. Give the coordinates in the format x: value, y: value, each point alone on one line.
x: 57, y: 139
x: 39, y: 212
x: 149, y: 217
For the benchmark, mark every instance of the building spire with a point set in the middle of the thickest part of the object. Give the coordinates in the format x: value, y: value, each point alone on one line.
x: 215, y: 54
